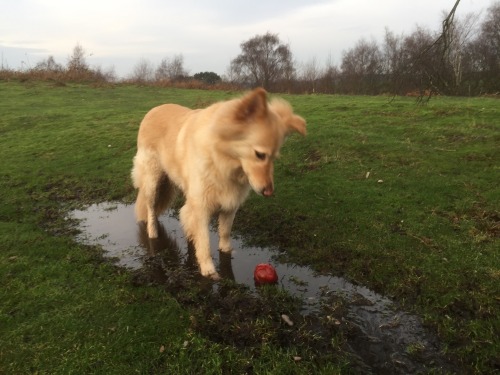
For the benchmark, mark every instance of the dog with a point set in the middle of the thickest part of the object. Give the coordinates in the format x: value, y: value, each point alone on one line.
x: 215, y: 156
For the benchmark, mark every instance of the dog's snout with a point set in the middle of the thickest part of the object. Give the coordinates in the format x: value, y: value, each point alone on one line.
x: 268, y: 191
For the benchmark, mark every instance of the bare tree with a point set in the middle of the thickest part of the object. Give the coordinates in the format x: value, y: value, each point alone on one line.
x: 361, y: 68
x: 49, y: 65
x: 77, y: 62
x: 459, y: 33
x: 490, y: 37
x: 437, y: 72
x: 143, y: 71
x: 329, y: 78
x: 393, y: 62
x: 171, y: 69
x: 105, y: 75
x: 483, y: 57
x: 310, y: 73
x: 406, y: 61
x: 263, y: 61
x: 465, y: 30
x: 419, y: 61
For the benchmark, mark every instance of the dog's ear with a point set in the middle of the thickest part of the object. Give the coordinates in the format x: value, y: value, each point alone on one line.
x: 252, y: 106
x: 291, y: 121
x: 296, y: 124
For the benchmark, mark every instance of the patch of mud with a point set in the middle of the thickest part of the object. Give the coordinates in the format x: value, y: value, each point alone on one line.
x: 383, y: 338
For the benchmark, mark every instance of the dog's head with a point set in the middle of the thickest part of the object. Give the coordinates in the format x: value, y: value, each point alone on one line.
x: 255, y: 133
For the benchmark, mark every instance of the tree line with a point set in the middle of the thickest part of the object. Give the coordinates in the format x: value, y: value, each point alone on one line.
x: 462, y: 58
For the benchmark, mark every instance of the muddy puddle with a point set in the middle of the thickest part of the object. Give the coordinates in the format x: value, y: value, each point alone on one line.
x: 385, y: 339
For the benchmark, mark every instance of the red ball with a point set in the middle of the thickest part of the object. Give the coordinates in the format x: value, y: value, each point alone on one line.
x: 265, y: 274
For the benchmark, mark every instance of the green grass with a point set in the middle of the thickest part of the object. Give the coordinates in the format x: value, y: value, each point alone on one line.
x: 423, y: 227
x: 399, y: 197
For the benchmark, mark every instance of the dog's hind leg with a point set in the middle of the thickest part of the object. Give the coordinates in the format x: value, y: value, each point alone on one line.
x: 158, y: 195
x: 141, y: 210
x: 165, y: 194
x: 139, y: 176
x: 226, y: 219
x: 195, y: 221
x: 155, y: 190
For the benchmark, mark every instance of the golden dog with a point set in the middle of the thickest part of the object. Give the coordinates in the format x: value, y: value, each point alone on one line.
x: 214, y: 156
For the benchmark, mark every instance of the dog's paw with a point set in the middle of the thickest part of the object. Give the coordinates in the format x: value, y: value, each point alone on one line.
x: 210, y: 272
x: 225, y: 246
x: 214, y: 276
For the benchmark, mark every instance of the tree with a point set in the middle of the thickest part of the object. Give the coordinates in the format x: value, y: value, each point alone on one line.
x: 49, y: 65
x: 490, y: 38
x: 171, y: 69
x: 209, y: 78
x: 143, y: 72
x: 393, y: 64
x: 329, y: 77
x: 107, y: 75
x: 460, y: 34
x: 421, y: 61
x: 310, y: 73
x: 361, y: 68
x: 263, y: 61
x: 484, y: 52
x: 77, y: 62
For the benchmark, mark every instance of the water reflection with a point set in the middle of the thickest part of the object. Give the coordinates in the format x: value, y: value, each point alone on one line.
x: 113, y: 227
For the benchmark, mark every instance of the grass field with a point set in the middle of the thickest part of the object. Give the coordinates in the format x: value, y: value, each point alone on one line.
x: 400, y: 197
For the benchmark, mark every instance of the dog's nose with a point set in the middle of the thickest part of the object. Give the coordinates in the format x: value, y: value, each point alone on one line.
x: 268, y: 191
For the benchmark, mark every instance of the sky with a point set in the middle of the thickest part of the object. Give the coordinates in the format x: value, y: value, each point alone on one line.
x: 117, y: 34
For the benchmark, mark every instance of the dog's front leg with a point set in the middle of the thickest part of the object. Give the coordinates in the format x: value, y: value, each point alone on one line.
x: 226, y: 219
x: 195, y: 221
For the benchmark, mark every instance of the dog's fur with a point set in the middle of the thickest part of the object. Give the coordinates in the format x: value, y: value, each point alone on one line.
x: 214, y: 156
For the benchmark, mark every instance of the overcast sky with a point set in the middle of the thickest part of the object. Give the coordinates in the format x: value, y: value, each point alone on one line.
x: 119, y: 33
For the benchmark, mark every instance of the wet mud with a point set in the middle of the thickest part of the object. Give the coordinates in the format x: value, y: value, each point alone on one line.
x: 380, y: 337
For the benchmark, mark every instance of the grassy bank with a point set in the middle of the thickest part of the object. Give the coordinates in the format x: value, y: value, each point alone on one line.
x: 399, y: 197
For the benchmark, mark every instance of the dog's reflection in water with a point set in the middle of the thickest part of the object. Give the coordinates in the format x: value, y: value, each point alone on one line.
x: 164, y: 256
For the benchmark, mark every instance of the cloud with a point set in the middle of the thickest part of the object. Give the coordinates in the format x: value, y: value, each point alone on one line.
x: 207, y: 33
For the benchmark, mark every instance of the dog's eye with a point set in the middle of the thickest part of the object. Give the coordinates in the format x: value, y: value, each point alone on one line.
x: 260, y: 155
